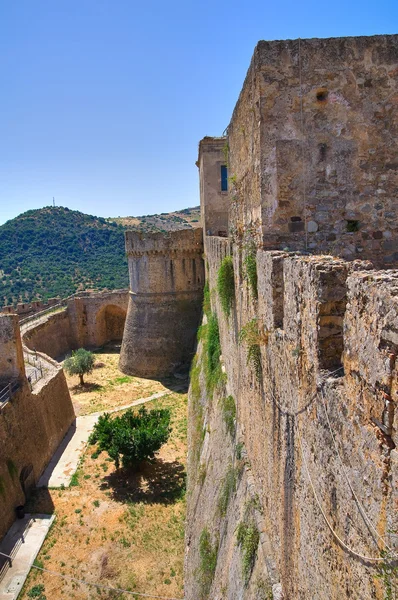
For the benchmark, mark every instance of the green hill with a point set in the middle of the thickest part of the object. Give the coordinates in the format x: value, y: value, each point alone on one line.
x: 55, y: 251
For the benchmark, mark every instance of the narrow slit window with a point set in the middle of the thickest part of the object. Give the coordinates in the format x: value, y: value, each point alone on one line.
x: 224, y: 178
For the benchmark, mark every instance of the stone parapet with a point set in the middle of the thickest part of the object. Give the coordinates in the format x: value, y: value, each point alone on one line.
x: 185, y: 240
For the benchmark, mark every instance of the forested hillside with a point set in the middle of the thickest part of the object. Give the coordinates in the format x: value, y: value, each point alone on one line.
x: 55, y: 251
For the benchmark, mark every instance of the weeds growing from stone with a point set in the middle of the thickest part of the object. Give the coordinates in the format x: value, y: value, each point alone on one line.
x: 206, y: 299
x: 388, y: 574
x: 229, y: 413
x: 212, y: 354
x: 250, y: 335
x: 228, y: 488
x: 250, y: 271
x: 248, y: 537
x: 208, y: 562
x: 226, y: 284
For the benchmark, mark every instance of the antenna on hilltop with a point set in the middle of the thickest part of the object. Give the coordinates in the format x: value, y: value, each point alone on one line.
x: 53, y: 201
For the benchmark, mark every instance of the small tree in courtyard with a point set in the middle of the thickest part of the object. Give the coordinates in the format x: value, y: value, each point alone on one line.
x: 132, y: 437
x: 80, y: 363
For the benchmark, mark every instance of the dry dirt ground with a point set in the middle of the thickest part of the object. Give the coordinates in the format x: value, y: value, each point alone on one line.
x: 106, y: 387
x: 116, y: 528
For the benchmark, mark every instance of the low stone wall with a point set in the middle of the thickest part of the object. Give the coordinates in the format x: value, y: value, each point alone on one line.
x: 32, y: 425
x: 52, y: 335
x: 89, y: 321
x: 318, y: 426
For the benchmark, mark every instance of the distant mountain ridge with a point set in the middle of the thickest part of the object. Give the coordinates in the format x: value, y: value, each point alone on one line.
x: 55, y: 251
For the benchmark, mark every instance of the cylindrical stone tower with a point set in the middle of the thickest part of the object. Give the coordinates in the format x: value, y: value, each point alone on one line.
x: 166, y: 283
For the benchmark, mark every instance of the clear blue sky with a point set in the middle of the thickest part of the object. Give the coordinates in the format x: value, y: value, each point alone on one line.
x: 103, y: 103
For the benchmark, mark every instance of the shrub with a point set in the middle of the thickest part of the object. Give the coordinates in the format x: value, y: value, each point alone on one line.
x: 37, y: 592
x: 226, y: 284
x: 229, y: 413
x: 208, y: 562
x: 132, y: 437
x: 250, y: 271
x: 247, y: 537
x: 80, y: 363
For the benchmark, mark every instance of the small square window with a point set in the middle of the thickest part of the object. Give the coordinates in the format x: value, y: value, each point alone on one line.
x: 224, y: 178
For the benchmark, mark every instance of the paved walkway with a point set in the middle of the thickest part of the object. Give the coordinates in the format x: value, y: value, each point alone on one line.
x: 64, y: 462
x: 22, y: 542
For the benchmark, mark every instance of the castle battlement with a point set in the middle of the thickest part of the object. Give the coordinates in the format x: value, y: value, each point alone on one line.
x: 182, y: 241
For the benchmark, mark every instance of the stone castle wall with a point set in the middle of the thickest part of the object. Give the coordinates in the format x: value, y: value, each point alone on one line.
x: 328, y: 339
x: 313, y: 146
x: 32, y: 425
x: 24, y: 309
x: 310, y: 461
x: 213, y: 154
x: 89, y: 321
x: 166, y: 282
x: 33, y: 420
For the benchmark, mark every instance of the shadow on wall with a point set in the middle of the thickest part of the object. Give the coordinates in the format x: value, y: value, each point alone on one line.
x: 110, y: 324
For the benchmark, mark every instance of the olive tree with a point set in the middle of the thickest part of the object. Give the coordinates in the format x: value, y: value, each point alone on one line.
x: 80, y: 363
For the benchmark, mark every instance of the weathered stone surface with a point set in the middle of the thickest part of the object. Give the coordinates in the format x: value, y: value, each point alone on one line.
x: 32, y: 424
x: 213, y: 154
x: 312, y: 226
x: 327, y: 314
x: 89, y: 321
x: 166, y: 283
x: 11, y: 355
x: 318, y: 150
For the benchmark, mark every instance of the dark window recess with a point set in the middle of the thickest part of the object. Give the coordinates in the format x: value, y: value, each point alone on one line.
x: 224, y: 178
x: 322, y: 95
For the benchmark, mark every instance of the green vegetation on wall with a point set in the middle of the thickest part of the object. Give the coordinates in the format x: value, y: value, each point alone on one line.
x: 213, y: 352
x: 251, y: 337
x: 226, y: 284
x: 12, y: 469
x: 247, y: 536
x: 228, y: 487
x: 197, y: 410
x: 229, y: 413
x: 250, y: 271
x: 208, y: 561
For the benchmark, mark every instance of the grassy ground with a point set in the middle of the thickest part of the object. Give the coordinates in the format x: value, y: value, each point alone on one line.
x: 117, y: 528
x: 106, y: 387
